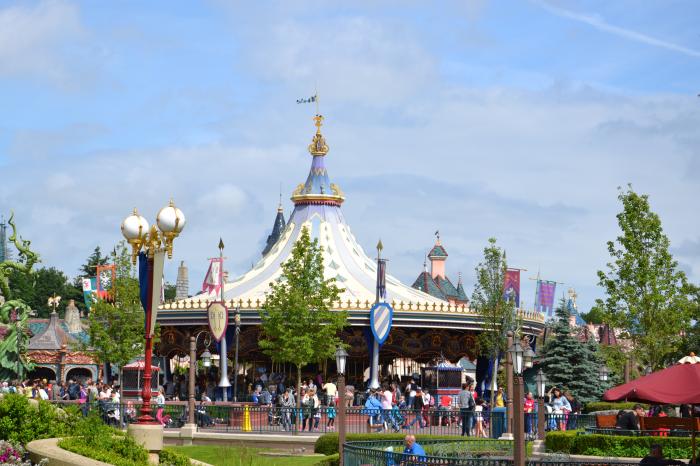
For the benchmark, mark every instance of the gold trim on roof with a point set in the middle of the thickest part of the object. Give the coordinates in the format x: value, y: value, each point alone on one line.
x: 318, y: 145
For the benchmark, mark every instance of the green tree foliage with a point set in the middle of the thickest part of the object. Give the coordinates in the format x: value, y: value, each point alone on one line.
x: 116, y: 327
x: 647, y: 296
x: 22, y: 420
x: 298, y: 325
x: 89, y: 268
x: 489, y: 302
x: 47, y: 282
x: 595, y: 316
x: 570, y: 364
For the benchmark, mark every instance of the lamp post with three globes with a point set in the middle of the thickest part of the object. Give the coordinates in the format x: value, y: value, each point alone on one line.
x: 150, y: 245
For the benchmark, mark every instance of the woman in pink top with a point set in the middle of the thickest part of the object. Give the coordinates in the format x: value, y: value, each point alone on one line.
x: 529, y: 409
x: 387, y: 399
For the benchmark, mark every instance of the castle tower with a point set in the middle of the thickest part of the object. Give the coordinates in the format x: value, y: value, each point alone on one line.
x: 276, y: 229
x: 182, y: 285
x: 437, y: 257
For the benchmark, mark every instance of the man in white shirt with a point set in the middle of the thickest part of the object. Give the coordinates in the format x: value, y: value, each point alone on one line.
x: 331, y: 392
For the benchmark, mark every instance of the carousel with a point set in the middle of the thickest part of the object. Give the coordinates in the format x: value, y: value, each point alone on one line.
x: 425, y: 327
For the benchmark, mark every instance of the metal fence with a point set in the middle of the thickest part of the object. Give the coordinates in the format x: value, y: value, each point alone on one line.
x: 218, y: 417
x: 473, y: 452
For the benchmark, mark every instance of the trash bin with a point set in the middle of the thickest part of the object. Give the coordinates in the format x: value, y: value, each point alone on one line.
x: 498, y: 422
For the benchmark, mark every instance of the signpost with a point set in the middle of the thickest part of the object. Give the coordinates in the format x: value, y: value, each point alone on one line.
x: 217, y: 315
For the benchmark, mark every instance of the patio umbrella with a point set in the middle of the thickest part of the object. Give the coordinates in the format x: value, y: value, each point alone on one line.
x: 674, y: 385
x: 690, y: 359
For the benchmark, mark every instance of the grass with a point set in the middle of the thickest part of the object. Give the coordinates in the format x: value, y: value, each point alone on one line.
x: 242, y: 456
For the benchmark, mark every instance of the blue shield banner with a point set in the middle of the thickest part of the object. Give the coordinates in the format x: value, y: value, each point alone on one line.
x: 380, y: 317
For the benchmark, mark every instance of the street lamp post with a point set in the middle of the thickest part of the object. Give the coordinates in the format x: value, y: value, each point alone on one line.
x: 340, y: 359
x: 603, y: 373
x: 541, y: 380
x: 155, y: 242
x: 206, y: 362
x: 516, y: 353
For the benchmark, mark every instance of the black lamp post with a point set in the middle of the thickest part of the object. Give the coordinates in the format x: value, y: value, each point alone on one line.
x: 341, y: 357
x: 541, y: 380
x: 206, y: 362
x: 517, y: 357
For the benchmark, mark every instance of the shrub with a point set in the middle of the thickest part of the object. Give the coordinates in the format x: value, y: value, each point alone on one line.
x: 327, y: 444
x: 560, y: 442
x: 609, y: 406
x: 94, y: 439
x: 615, y: 445
x: 333, y: 460
x: 13, y: 455
x: 173, y: 458
x: 21, y: 421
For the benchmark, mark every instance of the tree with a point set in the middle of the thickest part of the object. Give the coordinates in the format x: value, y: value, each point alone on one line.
x: 569, y: 363
x: 169, y: 291
x: 647, y: 296
x: 298, y: 325
x: 488, y: 300
x: 88, y: 269
x: 595, y: 316
x: 116, y: 326
x: 47, y: 282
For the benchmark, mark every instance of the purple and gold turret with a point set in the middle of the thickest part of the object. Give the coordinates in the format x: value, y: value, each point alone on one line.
x: 318, y: 190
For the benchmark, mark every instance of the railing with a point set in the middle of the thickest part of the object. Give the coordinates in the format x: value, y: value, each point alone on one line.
x: 472, y: 452
x: 219, y: 417
x: 464, y: 452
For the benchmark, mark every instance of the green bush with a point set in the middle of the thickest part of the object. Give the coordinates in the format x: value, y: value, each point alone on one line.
x: 615, y: 445
x: 22, y: 421
x: 173, y: 458
x: 327, y: 444
x: 333, y: 460
x: 557, y: 441
x: 609, y: 405
x: 94, y: 439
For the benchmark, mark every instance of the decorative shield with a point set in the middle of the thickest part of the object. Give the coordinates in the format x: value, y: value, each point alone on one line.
x: 217, y: 314
x: 380, y: 320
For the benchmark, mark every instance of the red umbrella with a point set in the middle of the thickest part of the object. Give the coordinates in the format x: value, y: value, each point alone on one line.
x: 676, y: 385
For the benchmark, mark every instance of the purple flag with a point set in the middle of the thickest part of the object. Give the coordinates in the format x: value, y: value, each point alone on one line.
x: 545, y: 297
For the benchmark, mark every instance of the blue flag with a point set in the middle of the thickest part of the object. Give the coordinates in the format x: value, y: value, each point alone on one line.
x: 143, y: 279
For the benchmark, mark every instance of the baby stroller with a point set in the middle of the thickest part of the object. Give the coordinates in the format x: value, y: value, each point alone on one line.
x: 398, y: 417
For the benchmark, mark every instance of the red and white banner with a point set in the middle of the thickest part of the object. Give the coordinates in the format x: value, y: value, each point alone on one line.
x: 214, y: 278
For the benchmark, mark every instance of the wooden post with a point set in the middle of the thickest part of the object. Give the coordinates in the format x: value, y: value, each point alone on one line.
x: 190, y: 395
x: 341, y: 417
x: 541, y: 410
x: 518, y: 426
x: 509, y: 389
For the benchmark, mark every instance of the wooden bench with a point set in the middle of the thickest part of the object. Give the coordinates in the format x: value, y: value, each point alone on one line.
x: 606, y: 421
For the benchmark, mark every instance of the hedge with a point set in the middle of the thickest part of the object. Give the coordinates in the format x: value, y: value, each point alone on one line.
x: 595, y: 406
x: 327, y: 444
x: 616, y: 445
x: 333, y: 460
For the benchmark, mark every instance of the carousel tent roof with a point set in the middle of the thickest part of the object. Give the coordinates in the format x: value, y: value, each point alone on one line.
x: 317, y: 207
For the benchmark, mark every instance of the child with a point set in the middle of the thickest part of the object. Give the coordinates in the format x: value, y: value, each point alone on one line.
x: 330, y: 412
x: 479, y: 417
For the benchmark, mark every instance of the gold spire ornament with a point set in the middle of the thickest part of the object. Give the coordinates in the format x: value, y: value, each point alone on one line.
x: 318, y: 145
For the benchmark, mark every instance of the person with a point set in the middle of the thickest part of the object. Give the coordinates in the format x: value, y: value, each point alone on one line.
x: 479, y: 431
x: 160, y: 403
x: 629, y: 420
x: 560, y: 407
x: 656, y: 457
x: 387, y: 397
x: 428, y: 402
x: 500, y: 398
x: 529, y: 410
x: 410, y: 393
x: 575, y: 410
x: 373, y: 410
x: 287, y: 403
x: 418, y: 410
x: 413, y: 452
x: 331, y: 391
x: 330, y: 425
x: 466, y: 403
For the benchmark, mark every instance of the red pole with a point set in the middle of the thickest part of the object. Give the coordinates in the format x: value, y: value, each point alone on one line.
x: 146, y: 410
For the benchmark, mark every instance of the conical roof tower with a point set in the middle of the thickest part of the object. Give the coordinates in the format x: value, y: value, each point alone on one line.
x: 317, y: 206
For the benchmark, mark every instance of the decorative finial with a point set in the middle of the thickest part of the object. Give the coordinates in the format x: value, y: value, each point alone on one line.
x: 221, y: 244
x: 318, y: 145
x: 380, y: 246
x: 459, y: 279
x: 437, y: 235
x: 279, y: 206
x: 425, y: 264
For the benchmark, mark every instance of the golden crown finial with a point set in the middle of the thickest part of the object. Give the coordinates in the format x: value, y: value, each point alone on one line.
x: 318, y: 145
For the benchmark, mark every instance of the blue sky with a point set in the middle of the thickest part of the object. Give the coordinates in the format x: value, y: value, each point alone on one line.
x: 517, y: 120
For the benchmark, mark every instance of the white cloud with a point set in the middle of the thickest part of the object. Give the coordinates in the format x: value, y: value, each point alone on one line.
x: 599, y: 23
x: 36, y: 40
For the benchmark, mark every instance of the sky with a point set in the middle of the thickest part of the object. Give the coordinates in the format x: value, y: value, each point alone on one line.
x: 510, y: 119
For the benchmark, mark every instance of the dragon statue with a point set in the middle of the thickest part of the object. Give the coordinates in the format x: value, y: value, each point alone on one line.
x: 14, y: 313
